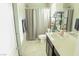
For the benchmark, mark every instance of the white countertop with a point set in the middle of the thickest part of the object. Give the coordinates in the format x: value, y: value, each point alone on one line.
x: 65, y: 45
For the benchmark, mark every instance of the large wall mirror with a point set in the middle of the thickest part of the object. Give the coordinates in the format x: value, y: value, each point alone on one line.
x: 62, y: 20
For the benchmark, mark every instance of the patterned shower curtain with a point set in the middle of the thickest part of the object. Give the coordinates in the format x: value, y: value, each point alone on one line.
x: 37, y: 22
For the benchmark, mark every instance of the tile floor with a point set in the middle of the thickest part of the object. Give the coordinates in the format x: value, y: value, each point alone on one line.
x: 34, y: 48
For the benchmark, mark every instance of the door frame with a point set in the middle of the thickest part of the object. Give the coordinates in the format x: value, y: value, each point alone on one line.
x: 16, y: 24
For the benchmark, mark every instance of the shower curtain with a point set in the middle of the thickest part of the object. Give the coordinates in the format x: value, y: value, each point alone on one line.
x: 37, y: 22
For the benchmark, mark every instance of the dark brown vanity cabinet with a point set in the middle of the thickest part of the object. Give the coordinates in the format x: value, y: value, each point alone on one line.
x: 50, y: 49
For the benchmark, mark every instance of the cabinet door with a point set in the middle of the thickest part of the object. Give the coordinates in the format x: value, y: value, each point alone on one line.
x: 49, y: 50
x: 47, y: 47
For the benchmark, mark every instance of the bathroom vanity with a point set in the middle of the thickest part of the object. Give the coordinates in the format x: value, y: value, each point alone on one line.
x: 50, y: 48
x: 57, y: 45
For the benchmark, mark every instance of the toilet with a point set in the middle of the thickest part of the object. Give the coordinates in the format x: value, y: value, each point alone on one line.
x: 42, y: 37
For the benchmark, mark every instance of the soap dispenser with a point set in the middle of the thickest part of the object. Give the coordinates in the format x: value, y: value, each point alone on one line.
x: 62, y: 30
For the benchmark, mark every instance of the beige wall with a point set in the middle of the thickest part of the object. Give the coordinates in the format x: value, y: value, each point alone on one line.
x: 63, y: 6
x: 59, y: 6
x: 38, y: 5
